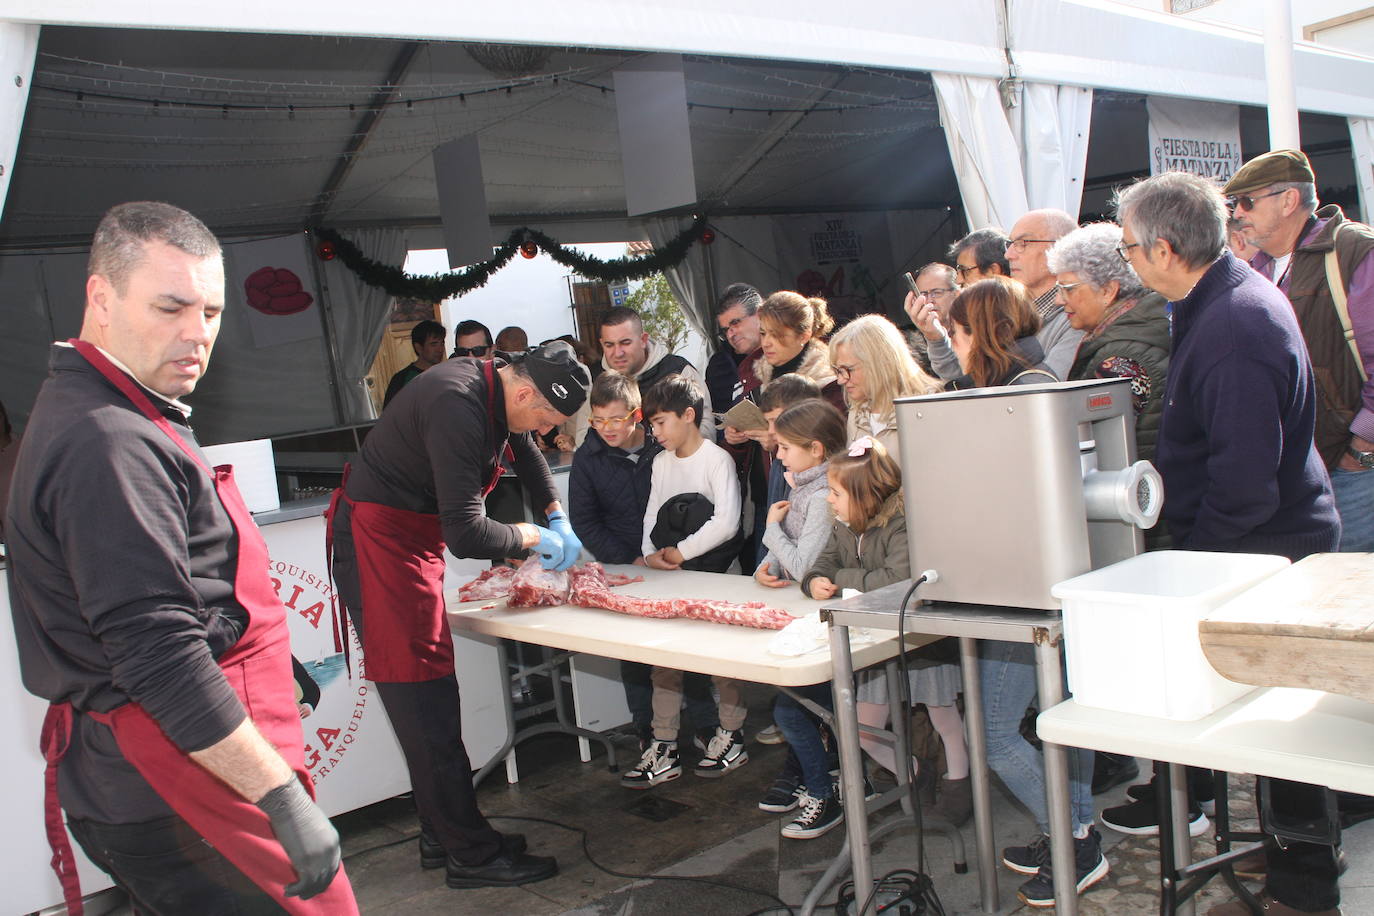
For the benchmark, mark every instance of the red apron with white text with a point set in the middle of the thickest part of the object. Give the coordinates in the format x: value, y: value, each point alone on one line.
x: 400, y: 558
x: 258, y: 667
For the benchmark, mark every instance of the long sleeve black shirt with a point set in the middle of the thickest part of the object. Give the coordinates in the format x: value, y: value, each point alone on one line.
x: 434, y: 450
x: 121, y: 575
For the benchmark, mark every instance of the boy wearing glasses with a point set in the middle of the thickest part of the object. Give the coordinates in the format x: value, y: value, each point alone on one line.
x: 608, y: 492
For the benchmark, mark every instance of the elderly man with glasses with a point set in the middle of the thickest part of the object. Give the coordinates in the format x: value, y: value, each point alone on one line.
x: 1235, y: 447
x: 1027, y: 251
x: 1320, y: 260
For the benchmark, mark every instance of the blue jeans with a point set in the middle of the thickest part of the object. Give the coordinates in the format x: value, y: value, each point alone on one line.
x: 1355, y: 502
x: 1007, y: 673
x: 803, y: 733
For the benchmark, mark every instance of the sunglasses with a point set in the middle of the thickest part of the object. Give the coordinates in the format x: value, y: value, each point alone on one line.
x: 480, y: 350
x: 1246, y: 202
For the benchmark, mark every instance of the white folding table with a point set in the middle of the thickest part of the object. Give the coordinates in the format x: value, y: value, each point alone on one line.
x: 696, y: 645
x: 1302, y: 735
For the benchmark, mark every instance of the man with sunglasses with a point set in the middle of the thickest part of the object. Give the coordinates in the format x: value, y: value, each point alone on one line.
x: 1273, y: 198
x: 427, y: 339
x: 417, y: 487
x: 472, y: 338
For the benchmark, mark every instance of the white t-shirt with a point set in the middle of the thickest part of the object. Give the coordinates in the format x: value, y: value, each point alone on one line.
x: 709, y: 471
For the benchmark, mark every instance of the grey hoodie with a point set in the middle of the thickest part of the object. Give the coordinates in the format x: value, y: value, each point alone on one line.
x: 795, y: 542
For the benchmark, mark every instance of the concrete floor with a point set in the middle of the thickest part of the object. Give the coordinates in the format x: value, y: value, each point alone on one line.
x: 712, y: 831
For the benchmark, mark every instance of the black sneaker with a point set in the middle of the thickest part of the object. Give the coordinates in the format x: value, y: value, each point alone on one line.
x: 817, y: 817
x: 1088, y: 861
x: 1146, y: 792
x: 1028, y: 860
x: 785, y: 795
x: 659, y: 764
x: 1141, y: 818
x: 724, y: 753
x: 1111, y: 770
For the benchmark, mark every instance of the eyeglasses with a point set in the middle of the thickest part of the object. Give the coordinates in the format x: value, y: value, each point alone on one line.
x: 480, y: 350
x: 1065, y: 288
x: 1125, y: 251
x: 965, y: 271
x: 935, y: 293
x: 724, y: 332
x: 1246, y: 202
x: 1019, y: 245
x: 844, y: 372
x: 610, y: 422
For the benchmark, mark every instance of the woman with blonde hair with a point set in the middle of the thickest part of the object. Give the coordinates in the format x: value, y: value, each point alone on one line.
x: 791, y: 330
x: 871, y: 360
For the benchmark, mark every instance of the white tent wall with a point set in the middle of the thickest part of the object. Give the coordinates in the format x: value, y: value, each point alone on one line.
x: 1362, y: 141
x: 1055, y: 126
x: 961, y: 37
x: 982, y: 147
x: 1110, y: 46
x: 18, y: 47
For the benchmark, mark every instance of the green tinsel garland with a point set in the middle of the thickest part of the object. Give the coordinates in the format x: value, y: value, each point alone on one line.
x: 436, y: 288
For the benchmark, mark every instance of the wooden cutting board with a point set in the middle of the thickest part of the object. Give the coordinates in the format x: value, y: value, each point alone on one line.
x: 1310, y: 625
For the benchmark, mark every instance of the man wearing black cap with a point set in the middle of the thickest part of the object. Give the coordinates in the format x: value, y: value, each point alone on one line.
x: 418, y: 486
x: 1321, y: 261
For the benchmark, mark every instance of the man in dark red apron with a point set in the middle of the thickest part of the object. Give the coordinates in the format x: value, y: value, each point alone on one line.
x: 143, y: 611
x: 417, y: 486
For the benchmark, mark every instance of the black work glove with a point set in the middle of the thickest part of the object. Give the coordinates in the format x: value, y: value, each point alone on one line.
x: 310, y: 840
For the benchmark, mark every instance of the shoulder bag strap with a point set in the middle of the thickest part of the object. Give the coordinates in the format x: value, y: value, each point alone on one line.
x: 1335, y: 283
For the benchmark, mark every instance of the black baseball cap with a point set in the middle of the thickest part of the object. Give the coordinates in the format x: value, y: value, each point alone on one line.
x: 558, y: 375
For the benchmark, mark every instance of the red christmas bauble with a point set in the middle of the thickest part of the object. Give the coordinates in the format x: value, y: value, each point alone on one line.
x: 326, y: 251
x: 708, y: 236
x: 529, y: 249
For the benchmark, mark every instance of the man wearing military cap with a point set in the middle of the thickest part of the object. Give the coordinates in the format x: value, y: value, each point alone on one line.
x: 417, y: 487
x: 1321, y: 261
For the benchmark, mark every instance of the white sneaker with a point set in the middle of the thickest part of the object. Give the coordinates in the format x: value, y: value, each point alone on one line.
x: 770, y: 735
x: 659, y: 764
x: 724, y: 753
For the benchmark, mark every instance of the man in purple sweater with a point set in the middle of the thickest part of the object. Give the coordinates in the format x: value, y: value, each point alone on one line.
x: 1236, y: 451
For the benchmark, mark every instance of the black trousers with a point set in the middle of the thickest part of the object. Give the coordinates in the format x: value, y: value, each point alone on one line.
x: 168, y: 869
x: 1303, y: 876
x: 428, y: 722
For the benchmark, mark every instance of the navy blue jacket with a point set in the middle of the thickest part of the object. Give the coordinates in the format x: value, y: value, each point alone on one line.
x: 607, y: 496
x: 1235, y: 439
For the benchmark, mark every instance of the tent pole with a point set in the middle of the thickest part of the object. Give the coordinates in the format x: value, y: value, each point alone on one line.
x: 1278, y: 66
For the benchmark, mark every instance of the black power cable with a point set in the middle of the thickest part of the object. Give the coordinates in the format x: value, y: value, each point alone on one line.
x: 692, y: 879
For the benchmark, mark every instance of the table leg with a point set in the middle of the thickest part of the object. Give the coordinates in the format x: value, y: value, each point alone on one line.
x: 508, y: 706
x: 1181, y: 841
x: 1168, y: 871
x: 897, y: 713
x: 1050, y: 683
x: 978, y: 772
x: 851, y: 760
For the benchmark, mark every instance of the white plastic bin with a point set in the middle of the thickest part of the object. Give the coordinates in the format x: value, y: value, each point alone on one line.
x: 1130, y: 631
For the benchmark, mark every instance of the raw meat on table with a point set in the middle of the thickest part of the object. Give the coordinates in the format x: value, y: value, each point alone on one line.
x: 535, y: 586
x: 591, y: 589
x: 492, y: 583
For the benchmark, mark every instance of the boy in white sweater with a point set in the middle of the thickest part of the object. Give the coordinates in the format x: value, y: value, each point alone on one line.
x: 692, y: 521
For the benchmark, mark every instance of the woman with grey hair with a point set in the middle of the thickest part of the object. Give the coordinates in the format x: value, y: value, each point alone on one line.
x: 1126, y: 326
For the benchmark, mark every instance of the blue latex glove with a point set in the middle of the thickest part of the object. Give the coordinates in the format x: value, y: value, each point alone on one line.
x: 550, y: 549
x: 572, y: 547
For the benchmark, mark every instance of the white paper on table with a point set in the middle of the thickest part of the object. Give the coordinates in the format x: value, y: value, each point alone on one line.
x: 807, y: 634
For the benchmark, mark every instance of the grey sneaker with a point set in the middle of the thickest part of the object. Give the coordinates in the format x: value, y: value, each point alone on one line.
x: 724, y: 753
x: 659, y: 764
x: 1089, y: 863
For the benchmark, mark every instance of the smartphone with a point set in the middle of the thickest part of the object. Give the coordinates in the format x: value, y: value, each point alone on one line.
x: 911, y: 282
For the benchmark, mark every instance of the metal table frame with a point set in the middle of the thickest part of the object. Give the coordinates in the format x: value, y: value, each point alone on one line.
x: 969, y: 623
